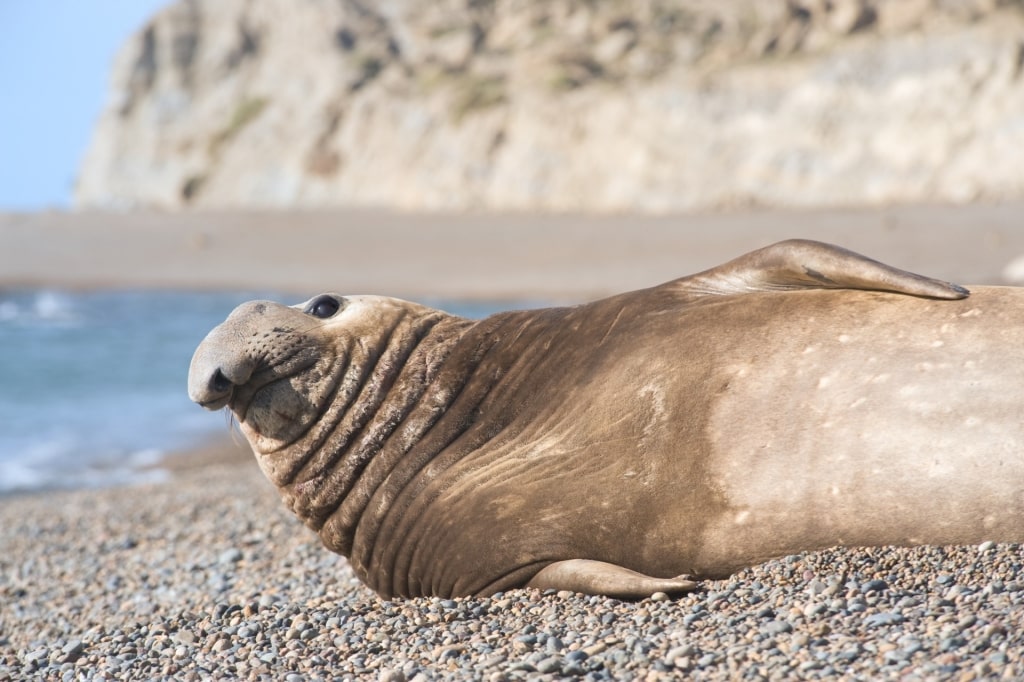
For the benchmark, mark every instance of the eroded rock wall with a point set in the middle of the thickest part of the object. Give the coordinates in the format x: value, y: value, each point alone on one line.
x: 646, y: 105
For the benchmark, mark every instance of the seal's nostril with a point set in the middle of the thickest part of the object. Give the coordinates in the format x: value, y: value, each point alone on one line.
x: 220, y: 383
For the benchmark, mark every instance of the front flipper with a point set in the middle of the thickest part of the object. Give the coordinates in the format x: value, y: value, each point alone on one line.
x: 610, y: 580
x: 805, y: 264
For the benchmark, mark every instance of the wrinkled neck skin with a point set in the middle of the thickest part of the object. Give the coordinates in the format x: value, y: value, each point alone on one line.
x: 355, y: 396
x: 369, y: 416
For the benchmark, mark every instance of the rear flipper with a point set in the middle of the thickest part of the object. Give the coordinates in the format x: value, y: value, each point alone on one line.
x: 610, y: 580
x: 805, y: 264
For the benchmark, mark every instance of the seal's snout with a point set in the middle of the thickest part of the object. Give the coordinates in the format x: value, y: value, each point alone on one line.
x: 249, y: 342
x: 217, y: 369
x: 210, y: 387
x: 216, y: 393
x: 215, y: 372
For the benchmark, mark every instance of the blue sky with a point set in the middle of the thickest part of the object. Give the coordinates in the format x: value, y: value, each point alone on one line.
x: 55, y: 59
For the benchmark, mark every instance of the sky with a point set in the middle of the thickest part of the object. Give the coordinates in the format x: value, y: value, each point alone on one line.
x: 55, y: 59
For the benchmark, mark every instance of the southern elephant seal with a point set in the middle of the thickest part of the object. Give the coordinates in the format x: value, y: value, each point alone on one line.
x: 798, y: 397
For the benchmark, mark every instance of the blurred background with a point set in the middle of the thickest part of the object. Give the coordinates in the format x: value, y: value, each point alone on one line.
x: 163, y: 160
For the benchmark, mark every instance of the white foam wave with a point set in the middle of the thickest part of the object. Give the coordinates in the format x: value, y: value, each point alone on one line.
x: 49, y: 305
x: 48, y: 466
x: 41, y: 308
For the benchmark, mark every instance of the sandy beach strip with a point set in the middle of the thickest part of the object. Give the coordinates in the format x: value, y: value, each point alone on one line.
x: 510, y: 257
x: 208, y: 575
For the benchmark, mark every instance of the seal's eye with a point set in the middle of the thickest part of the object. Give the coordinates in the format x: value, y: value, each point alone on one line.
x: 323, y: 307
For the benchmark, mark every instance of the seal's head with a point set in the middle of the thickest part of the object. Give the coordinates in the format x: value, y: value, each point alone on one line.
x: 278, y: 368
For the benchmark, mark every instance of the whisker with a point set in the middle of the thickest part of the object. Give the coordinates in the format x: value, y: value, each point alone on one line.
x: 234, y: 428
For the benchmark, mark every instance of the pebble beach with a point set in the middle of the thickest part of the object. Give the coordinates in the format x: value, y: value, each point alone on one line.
x: 206, y: 575
x: 209, y: 577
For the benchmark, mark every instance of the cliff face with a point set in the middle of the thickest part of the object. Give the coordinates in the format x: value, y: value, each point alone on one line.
x: 647, y: 105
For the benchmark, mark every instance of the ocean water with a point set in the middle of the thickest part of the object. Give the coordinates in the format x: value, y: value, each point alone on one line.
x: 93, y: 384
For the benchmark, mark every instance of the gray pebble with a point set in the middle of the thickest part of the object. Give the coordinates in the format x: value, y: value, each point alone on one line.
x: 951, y: 643
x: 706, y: 660
x: 683, y: 651
x: 912, y: 647
x: 966, y: 622
x: 876, y: 585
x: 885, y: 618
x: 549, y: 665
x: 776, y: 627
x: 72, y: 651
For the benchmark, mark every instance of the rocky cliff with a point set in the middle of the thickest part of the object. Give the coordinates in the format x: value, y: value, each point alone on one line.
x: 650, y: 105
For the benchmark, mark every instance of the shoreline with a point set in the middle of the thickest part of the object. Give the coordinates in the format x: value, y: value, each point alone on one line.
x: 215, y: 451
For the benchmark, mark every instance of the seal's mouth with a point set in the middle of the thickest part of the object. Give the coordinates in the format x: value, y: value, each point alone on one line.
x: 214, y: 405
x: 253, y: 387
x: 262, y: 393
x: 278, y: 405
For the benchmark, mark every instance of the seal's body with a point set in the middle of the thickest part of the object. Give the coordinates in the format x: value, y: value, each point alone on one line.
x: 751, y: 411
